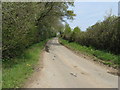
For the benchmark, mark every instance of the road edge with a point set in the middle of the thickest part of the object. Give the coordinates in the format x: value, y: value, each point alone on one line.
x: 95, y: 60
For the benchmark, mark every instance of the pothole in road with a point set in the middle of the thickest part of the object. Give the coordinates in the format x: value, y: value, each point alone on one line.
x: 73, y: 74
x: 54, y: 57
x: 82, y: 73
x: 75, y: 66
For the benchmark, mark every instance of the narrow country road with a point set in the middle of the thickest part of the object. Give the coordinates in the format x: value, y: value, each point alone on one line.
x: 64, y: 69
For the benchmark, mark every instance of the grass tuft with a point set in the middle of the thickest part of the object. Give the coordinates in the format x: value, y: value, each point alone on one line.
x: 107, y: 58
x: 17, y: 70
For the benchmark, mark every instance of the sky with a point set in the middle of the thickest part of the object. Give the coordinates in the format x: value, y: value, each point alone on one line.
x: 88, y: 13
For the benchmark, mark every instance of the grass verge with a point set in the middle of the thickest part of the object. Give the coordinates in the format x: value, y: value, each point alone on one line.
x: 16, y: 71
x: 104, y: 57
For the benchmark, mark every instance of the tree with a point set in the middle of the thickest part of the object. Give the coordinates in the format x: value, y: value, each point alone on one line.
x: 67, y: 32
x: 27, y: 23
x: 75, y: 34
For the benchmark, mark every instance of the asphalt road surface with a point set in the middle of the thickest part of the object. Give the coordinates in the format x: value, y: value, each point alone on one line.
x: 64, y: 69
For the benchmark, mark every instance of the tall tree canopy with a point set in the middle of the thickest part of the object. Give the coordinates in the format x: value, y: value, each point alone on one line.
x: 26, y: 23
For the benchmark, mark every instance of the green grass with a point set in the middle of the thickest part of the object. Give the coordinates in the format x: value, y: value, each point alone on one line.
x: 105, y: 57
x: 17, y: 70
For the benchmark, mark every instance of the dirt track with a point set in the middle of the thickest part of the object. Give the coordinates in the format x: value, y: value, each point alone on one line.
x: 64, y: 69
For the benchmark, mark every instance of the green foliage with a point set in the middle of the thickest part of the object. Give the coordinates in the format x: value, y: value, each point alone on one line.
x: 103, y: 35
x: 106, y: 57
x: 67, y: 32
x: 26, y: 23
x: 75, y: 34
x: 15, y: 72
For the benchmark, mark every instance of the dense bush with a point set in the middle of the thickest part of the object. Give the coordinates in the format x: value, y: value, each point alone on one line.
x: 103, y: 35
x: 67, y: 32
x: 26, y: 23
